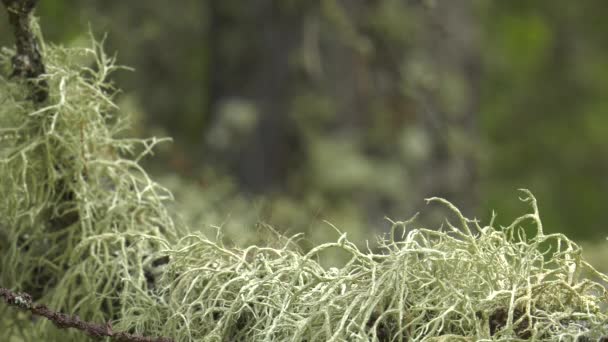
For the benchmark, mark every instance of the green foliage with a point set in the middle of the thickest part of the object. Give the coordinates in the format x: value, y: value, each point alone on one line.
x: 541, y: 104
x: 88, y: 232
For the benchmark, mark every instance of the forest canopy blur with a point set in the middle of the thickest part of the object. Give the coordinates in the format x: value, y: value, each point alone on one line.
x: 291, y: 112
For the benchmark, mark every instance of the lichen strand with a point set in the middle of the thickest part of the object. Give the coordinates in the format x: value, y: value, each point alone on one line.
x: 123, y: 260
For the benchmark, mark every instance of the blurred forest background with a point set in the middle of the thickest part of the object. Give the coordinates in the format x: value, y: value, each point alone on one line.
x: 292, y: 112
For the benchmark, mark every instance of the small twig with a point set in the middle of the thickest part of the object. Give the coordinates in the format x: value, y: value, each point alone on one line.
x: 27, y: 62
x: 24, y: 302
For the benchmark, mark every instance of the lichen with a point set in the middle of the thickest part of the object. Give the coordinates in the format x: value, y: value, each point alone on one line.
x: 86, y: 231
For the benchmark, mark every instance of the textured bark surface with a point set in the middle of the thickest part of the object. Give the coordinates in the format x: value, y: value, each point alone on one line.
x: 27, y: 62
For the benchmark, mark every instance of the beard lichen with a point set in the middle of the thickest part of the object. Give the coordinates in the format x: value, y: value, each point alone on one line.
x: 86, y: 231
x: 81, y: 221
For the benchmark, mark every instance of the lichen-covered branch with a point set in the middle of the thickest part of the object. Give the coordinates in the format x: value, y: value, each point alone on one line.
x: 24, y: 301
x: 27, y: 62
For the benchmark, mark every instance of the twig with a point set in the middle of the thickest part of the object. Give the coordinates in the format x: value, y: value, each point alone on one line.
x: 24, y: 302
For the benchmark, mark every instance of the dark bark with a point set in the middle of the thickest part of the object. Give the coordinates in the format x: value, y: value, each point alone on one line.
x: 27, y: 62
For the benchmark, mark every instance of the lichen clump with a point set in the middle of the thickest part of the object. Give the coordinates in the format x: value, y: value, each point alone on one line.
x: 86, y: 231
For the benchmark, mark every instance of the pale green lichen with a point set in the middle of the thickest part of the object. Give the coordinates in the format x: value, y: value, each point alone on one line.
x: 124, y: 260
x: 80, y: 222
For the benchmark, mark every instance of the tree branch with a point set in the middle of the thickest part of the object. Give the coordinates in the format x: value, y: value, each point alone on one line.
x: 24, y: 302
x: 27, y: 62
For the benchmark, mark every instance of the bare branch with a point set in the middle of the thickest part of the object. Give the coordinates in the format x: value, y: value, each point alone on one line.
x: 24, y: 302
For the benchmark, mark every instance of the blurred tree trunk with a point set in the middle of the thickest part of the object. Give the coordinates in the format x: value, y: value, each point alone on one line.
x: 365, y: 74
x: 363, y: 104
x: 251, y: 85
